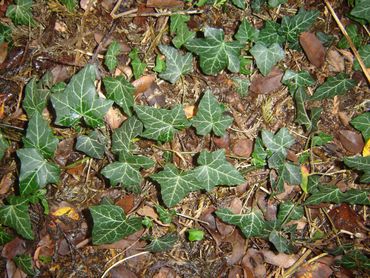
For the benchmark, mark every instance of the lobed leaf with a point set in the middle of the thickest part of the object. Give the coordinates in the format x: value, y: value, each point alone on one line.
x: 93, y: 144
x: 123, y: 136
x: 362, y: 123
x: 110, y: 58
x: 21, y: 12
x: 16, y: 216
x: 267, y: 57
x: 163, y: 243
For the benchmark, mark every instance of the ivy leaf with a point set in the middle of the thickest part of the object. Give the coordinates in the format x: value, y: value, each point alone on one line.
x: 121, y: 92
x: 179, y: 27
x: 333, y: 86
x: 215, y: 170
x: 289, y: 211
x: 21, y: 13
x: 176, y: 21
x: 25, y: 263
x: 250, y: 224
x: 267, y: 57
x: 354, y: 259
x: 364, y: 52
x: 93, y: 144
x: 357, y: 197
x: 4, y: 237
x: 35, y: 98
x: 161, y: 124
x: 210, y: 116
x: 270, y: 34
x: 360, y: 163
x: 216, y: 54
x: 275, y: 3
x: 3, y: 145
x: 110, y: 59
x: 239, y: 3
x: 361, y: 10
x: 279, y: 142
x: 362, y: 123
x: 79, y: 100
x: 281, y: 243
x: 160, y: 64
x: 70, y: 4
x: 126, y: 171
x: 175, y: 184
x: 321, y: 139
x: 5, y: 33
x: 259, y: 154
x: 111, y: 224
x: 302, y: 118
x: 297, y: 79
x: 123, y: 136
x: 326, y: 194
x: 292, y: 26
x: 241, y: 85
x: 162, y: 244
x: 40, y: 136
x: 246, y: 32
x: 177, y: 65
x: 35, y: 171
x: 256, y: 5
x: 137, y: 66
x: 353, y: 34
x: 16, y: 216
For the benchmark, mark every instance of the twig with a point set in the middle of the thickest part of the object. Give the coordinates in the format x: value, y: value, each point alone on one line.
x: 121, y: 261
x: 350, y: 42
x: 133, y: 13
x: 192, y: 218
x: 298, y: 263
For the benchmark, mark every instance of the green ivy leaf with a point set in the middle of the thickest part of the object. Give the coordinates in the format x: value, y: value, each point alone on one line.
x: 278, y: 143
x: 289, y: 211
x: 21, y: 12
x: 5, y: 33
x: 179, y: 27
x: 70, y: 4
x: 241, y: 85
x: 321, y: 139
x: 362, y: 123
x: 123, y: 136
x: 16, y: 216
x: 275, y: 3
x: 214, y: 170
x: 177, y: 65
x: 161, y: 124
x: 80, y: 100
x: 35, y: 98
x: 267, y: 57
x: 270, y: 34
x: 165, y: 215
x: 302, y: 118
x: 3, y: 145
x: 239, y: 3
x: 360, y: 163
x: 246, y: 32
x: 361, y: 10
x: 210, y: 116
x: 93, y: 144
x: 216, y: 54
x: 292, y: 26
x: 4, y: 237
x: 326, y: 194
x: 259, y: 154
x: 364, y: 52
x: 111, y: 224
x: 326, y: 39
x: 333, y: 86
x: 25, y: 263
x: 160, y: 64
x: 176, y: 21
x: 256, y: 5
x: 353, y: 34
x: 294, y: 80
x: 110, y: 59
x: 137, y: 66
x: 40, y: 136
x: 251, y: 224
x: 281, y: 243
x: 357, y: 197
x: 121, y: 92
x: 162, y: 244
x: 58, y: 87
x: 126, y: 171
x: 175, y: 184
x: 195, y: 234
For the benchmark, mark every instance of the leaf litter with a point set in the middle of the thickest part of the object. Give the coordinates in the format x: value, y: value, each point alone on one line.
x: 247, y: 121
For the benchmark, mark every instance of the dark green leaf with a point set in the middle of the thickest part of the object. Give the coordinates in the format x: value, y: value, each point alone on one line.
x: 241, y: 85
x: 58, y: 87
x: 176, y: 21
x: 161, y: 124
x: 80, y: 100
x: 137, y: 66
x: 110, y: 59
x: 16, y: 216
x: 111, y: 224
x: 21, y: 12
x: 353, y: 34
x: 326, y: 194
x: 35, y: 98
x: 361, y: 10
x: 246, y: 32
x: 364, y: 52
x: 70, y: 4
x: 275, y: 3
x: 267, y: 57
x: 3, y: 145
x: 177, y: 65
x: 122, y: 137
x: 302, y: 118
x: 321, y: 139
x: 165, y: 215
x: 326, y: 39
x: 121, y: 92
x: 362, y: 123
x: 210, y: 116
x: 279, y: 142
x: 183, y: 34
x: 259, y: 154
x: 93, y: 144
x: 281, y: 243
x: 297, y: 79
x: 360, y: 163
x: 4, y: 237
x: 355, y: 259
x: 289, y: 211
x: 239, y: 3
x: 5, y: 33
x: 25, y: 263
x: 270, y: 34
x: 162, y: 244
x: 256, y: 5
x: 357, y: 197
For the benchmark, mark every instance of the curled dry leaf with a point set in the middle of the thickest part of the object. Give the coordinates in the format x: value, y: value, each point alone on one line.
x: 123, y: 243
x: 238, y: 244
x: 126, y: 203
x: 45, y: 247
x: 335, y: 60
x: 222, y: 142
x: 6, y: 182
x: 122, y: 271
x: 3, y: 51
x: 12, y: 271
x: 143, y: 83
x: 343, y: 117
x: 351, y: 140
x: 318, y: 269
x: 235, y: 206
x: 190, y: 111
x: 150, y: 212
x: 267, y: 84
x: 164, y: 4
x: 242, y: 147
x: 65, y: 209
x: 280, y: 259
x: 313, y: 48
x: 345, y: 218
x: 209, y: 217
x: 114, y: 118
x: 253, y: 262
x: 13, y: 248
x: 236, y: 271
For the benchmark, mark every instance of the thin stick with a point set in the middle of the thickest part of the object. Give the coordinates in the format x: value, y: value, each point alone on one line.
x: 353, y: 47
x: 121, y: 261
x: 292, y: 269
x: 133, y: 13
x: 192, y: 218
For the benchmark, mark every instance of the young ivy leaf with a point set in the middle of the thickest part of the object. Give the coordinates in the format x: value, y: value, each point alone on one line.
x: 361, y: 10
x: 5, y: 33
x: 70, y: 4
x: 210, y: 116
x: 160, y: 64
x: 214, y: 170
x: 360, y: 163
x: 294, y: 80
x: 239, y: 3
x: 121, y: 92
x: 93, y: 144
x: 292, y: 26
x: 21, y: 12
x: 177, y: 65
x: 362, y: 123
x: 302, y: 118
x: 270, y: 34
x: 175, y: 184
x: 16, y: 216
x: 251, y: 224
x: 241, y: 85
x: 25, y: 263
x: 352, y: 32
x: 326, y: 194
x: 110, y: 59
x: 162, y: 244
x: 111, y: 224
x: 216, y: 54
x: 321, y: 139
x: 40, y: 136
x: 161, y: 124
x: 278, y: 143
x: 179, y: 27
x: 35, y: 171
x: 246, y: 32
x: 364, y: 52
x: 275, y: 3
x: 3, y: 145
x: 259, y: 154
x: 137, y: 66
x: 126, y: 171
x: 289, y: 211
x: 267, y: 57
x: 4, y: 237
x: 281, y: 243
x: 35, y: 98
x: 123, y: 136
x: 176, y: 21
x: 357, y: 197
x: 80, y: 100
x: 333, y: 86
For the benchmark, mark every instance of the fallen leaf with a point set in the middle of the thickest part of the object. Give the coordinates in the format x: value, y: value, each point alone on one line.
x: 335, y: 60
x: 6, y: 182
x: 166, y: 272
x: 351, y: 140
x: 141, y: 21
x: 280, y: 259
x: 343, y: 117
x: 235, y: 272
x: 45, y: 247
x: 345, y: 218
x: 15, y: 247
x: 143, y: 83
x: 222, y: 142
x: 313, y: 48
x: 253, y: 261
x: 164, y: 4
x: 126, y: 203
x: 60, y: 26
x: 3, y: 51
x: 122, y: 271
x: 209, y: 217
x: 266, y: 84
x: 190, y: 111
x: 235, y: 207
x: 64, y: 151
x: 114, y: 118
x: 65, y: 209
x: 318, y: 269
x: 242, y: 147
x: 238, y: 244
x: 12, y: 271
x: 366, y: 150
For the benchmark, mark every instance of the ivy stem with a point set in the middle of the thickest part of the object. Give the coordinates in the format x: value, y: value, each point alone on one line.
x: 192, y: 218
x: 328, y: 174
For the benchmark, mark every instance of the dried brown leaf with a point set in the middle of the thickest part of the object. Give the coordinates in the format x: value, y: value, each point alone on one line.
x: 313, y: 48
x: 352, y: 141
x: 335, y: 60
x: 164, y: 4
x: 266, y: 84
x: 242, y: 147
x: 280, y: 259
